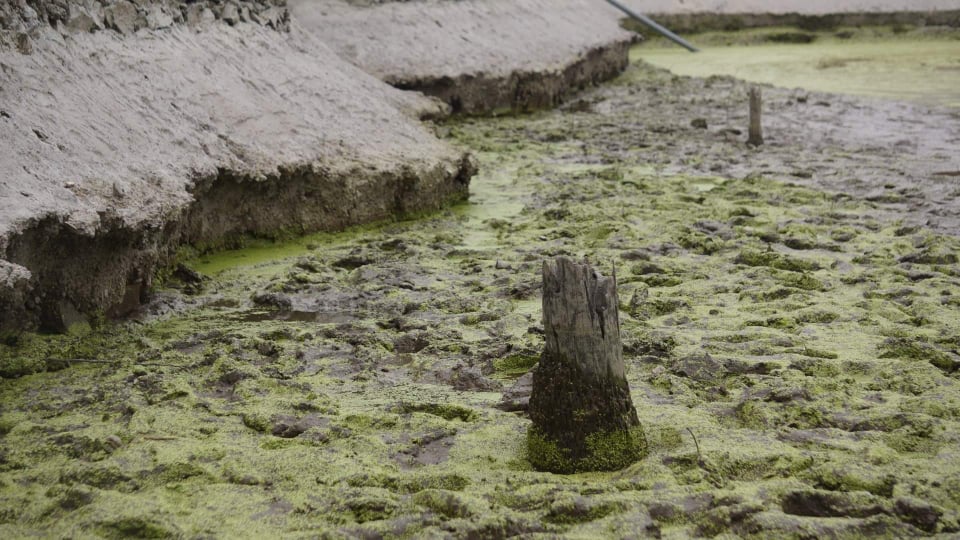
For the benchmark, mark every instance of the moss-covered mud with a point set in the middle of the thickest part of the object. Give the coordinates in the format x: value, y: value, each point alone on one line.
x: 792, y: 354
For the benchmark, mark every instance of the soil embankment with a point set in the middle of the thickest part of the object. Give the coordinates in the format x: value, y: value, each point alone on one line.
x: 131, y: 130
x: 478, y: 56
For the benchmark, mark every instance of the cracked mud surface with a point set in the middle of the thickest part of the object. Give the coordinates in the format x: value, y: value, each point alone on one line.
x: 791, y: 349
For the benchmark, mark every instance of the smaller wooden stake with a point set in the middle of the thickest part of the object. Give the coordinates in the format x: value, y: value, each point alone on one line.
x: 755, y: 137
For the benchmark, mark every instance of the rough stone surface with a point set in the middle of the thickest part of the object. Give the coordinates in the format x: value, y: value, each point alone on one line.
x: 478, y: 56
x: 119, y: 149
x: 128, y: 16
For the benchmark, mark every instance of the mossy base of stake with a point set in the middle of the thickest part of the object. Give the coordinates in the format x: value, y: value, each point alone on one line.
x: 581, y: 424
x: 582, y: 413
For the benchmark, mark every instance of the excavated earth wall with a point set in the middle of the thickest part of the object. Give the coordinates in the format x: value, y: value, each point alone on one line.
x: 132, y: 129
x: 477, y: 55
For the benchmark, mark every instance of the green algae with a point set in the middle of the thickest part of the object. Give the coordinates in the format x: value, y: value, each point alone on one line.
x: 804, y: 371
x: 605, y: 452
x: 515, y: 365
x: 871, y: 65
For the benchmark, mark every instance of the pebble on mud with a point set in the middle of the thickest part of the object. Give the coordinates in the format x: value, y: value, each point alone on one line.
x: 112, y: 442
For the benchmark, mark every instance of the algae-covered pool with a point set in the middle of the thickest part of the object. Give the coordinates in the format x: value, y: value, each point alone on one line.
x: 925, y: 70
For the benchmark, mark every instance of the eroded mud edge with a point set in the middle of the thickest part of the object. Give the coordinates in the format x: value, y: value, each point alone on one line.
x: 478, y: 93
x: 691, y: 23
x: 75, y: 277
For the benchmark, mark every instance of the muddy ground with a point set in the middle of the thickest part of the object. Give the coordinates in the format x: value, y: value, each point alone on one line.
x: 790, y: 330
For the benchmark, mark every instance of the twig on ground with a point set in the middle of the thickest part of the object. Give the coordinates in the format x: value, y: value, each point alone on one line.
x: 697, y: 444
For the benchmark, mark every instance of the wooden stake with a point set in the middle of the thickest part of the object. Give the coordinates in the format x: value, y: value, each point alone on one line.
x: 755, y: 137
x: 582, y: 413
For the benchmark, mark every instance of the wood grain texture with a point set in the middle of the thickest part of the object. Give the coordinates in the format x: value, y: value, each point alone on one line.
x: 580, y: 394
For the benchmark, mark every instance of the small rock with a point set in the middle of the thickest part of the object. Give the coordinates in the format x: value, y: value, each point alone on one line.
x: 24, y: 44
x: 287, y: 430
x: 701, y: 368
x: 821, y: 503
x: 502, y: 265
x: 353, y: 261
x: 274, y: 300
x: 124, y: 17
x: 82, y: 21
x: 75, y: 497
x: 113, y: 442
x: 194, y: 16
x: 517, y: 397
x: 289, y: 427
x: 466, y: 378
x: 231, y: 15
x: 411, y: 343
x: 188, y: 275
x: 118, y: 190
x: 268, y: 348
x: 232, y: 377
x: 699, y: 123
x: 272, y: 16
x: 158, y: 19
x: 28, y: 13
x: 663, y: 511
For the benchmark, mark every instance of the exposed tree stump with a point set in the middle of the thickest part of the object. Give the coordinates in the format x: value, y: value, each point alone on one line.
x: 755, y: 134
x: 583, y: 417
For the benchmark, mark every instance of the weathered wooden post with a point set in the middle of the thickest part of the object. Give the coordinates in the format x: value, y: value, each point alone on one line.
x: 755, y: 134
x: 583, y: 417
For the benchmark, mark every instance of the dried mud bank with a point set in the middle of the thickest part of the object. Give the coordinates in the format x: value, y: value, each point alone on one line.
x: 522, y: 91
x: 125, y: 143
x: 792, y: 351
x: 477, y: 56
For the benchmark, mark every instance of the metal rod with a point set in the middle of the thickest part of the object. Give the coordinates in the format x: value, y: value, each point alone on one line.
x: 653, y: 25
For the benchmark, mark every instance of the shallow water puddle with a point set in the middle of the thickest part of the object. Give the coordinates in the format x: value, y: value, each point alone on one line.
x: 494, y: 195
x: 921, y: 71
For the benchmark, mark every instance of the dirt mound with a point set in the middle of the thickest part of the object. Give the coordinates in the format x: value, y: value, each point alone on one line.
x: 478, y: 56
x: 123, y: 147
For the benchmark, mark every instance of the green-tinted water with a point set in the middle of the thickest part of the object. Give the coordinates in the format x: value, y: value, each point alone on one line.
x: 926, y: 71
